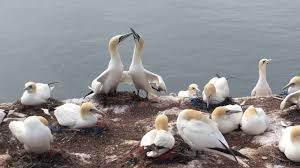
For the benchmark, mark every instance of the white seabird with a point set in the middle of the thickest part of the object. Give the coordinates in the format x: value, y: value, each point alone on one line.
x: 215, y: 91
x: 289, y: 143
x: 262, y: 87
x: 108, y: 81
x: 254, y: 121
x: 159, y: 140
x: 140, y: 77
x: 75, y: 116
x: 36, y: 93
x: 293, y: 85
x: 191, y: 92
x: 202, y: 134
x: 34, y: 133
x: 227, y: 117
x: 291, y: 99
x: 3, y: 114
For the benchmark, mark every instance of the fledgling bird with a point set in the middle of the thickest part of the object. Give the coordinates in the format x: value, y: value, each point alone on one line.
x: 215, y: 91
x: 159, y: 140
x: 293, y: 85
x: 36, y: 93
x: 254, y: 121
x: 139, y: 76
x: 262, y: 87
x: 202, y: 134
x: 227, y: 117
x: 75, y: 116
x: 289, y: 143
x: 108, y: 81
x: 34, y: 133
x: 191, y: 92
x: 291, y: 99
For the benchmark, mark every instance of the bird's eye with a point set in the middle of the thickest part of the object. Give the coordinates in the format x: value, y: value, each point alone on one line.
x: 264, y: 61
x: 30, y: 86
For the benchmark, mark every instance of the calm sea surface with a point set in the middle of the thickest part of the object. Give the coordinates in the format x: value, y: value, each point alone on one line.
x: 185, y: 41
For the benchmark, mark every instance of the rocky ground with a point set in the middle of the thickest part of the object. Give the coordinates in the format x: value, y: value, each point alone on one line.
x: 115, y: 142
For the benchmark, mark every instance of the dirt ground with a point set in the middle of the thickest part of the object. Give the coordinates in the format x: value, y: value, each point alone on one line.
x: 114, y: 143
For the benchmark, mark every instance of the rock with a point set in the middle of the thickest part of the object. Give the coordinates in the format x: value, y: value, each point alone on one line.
x: 264, y: 157
x: 4, y: 158
x: 111, y: 158
x: 173, y: 111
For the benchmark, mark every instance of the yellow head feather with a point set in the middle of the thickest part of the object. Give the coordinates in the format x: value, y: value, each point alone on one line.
x: 43, y: 120
x: 218, y: 113
x: 85, y: 109
x: 295, y: 132
x: 209, y: 89
x: 295, y: 80
x: 250, y: 112
x: 161, y: 122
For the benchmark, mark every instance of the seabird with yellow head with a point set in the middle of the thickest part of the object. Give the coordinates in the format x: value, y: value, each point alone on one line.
x: 108, y: 81
x: 293, y: 85
x: 33, y: 133
x: 75, y: 116
x: 139, y: 76
x: 262, y: 87
x: 36, y: 93
x: 191, y: 92
x: 202, y: 134
x: 227, y: 117
x: 289, y: 143
x: 215, y: 91
x: 254, y: 121
x: 159, y: 140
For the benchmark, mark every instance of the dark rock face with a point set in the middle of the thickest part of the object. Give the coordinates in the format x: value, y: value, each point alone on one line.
x: 128, y: 118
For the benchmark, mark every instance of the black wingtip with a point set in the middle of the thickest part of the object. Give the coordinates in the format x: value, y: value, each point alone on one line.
x: 229, y: 150
x: 91, y: 92
x: 218, y: 75
x: 52, y: 83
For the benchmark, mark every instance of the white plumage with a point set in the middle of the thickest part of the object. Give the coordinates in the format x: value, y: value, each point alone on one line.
x: 159, y: 138
x: 191, y: 92
x: 289, y: 143
x: 33, y: 133
x: 201, y: 133
x: 36, y: 93
x: 108, y: 81
x: 2, y: 115
x: 215, y: 91
x: 254, y: 121
x: 227, y: 117
x: 291, y: 99
x: 262, y: 87
x: 293, y: 85
x: 139, y: 76
x: 75, y: 116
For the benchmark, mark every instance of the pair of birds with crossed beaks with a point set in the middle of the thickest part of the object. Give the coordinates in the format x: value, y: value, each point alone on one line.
x: 202, y: 133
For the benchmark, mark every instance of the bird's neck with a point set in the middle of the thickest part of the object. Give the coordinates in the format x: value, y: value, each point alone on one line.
x: 262, y: 73
x: 115, y: 56
x: 137, y: 53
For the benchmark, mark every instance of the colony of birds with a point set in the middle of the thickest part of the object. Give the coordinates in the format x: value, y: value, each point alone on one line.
x: 199, y: 130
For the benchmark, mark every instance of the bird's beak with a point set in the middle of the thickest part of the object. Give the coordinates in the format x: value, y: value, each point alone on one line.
x: 232, y: 111
x: 123, y: 37
x: 286, y: 86
x: 25, y: 88
x: 198, y: 90
x: 207, y: 104
x: 135, y: 35
x: 269, y: 60
x: 96, y: 111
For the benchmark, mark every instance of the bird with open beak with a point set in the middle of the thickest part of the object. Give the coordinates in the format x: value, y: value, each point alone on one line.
x: 262, y: 87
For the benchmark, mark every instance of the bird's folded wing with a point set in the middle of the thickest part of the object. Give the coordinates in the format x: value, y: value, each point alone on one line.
x: 156, y: 79
x: 17, y: 129
x: 126, y: 78
x: 164, y: 139
x: 102, y: 77
x: 290, y: 99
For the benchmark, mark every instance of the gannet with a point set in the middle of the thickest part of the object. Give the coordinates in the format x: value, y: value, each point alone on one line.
x: 215, y: 91
x: 75, y: 116
x: 262, y: 87
x: 142, y: 78
x: 159, y: 140
x: 293, y: 85
x: 34, y: 133
x: 3, y: 114
x: 201, y: 133
x: 108, y: 81
x: 291, y: 99
x: 36, y: 93
x: 191, y: 92
x: 227, y: 117
x: 254, y: 121
x: 289, y: 143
